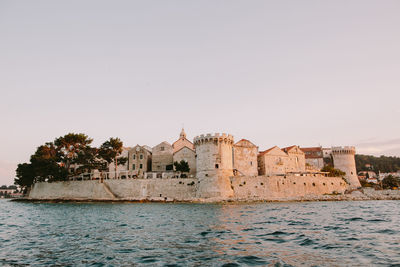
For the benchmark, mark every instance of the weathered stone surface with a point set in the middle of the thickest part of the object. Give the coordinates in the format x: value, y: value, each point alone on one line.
x: 245, y: 158
x: 344, y: 160
x: 162, y: 157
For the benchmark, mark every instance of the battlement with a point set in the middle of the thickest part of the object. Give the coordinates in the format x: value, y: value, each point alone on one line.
x: 216, y: 137
x: 344, y: 150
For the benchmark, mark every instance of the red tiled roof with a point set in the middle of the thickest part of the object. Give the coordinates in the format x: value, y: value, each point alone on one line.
x: 311, y: 149
x: 288, y: 148
x: 266, y: 151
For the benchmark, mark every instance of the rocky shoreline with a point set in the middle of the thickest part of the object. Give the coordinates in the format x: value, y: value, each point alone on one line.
x: 356, y: 195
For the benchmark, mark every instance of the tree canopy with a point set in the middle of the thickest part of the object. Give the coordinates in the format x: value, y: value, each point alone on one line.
x: 182, y: 166
x: 377, y: 164
x: 68, y: 155
x: 332, y: 171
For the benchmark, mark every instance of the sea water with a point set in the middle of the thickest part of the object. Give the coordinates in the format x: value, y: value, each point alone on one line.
x: 354, y: 233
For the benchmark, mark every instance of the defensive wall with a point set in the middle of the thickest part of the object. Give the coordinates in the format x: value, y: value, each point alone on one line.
x: 285, y: 187
x: 187, y: 189
x: 115, y: 189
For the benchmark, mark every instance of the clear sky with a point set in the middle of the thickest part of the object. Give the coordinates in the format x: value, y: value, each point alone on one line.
x: 275, y: 72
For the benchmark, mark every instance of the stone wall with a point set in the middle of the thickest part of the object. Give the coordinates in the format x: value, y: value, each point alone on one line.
x: 285, y: 187
x: 130, y: 189
x: 187, y: 189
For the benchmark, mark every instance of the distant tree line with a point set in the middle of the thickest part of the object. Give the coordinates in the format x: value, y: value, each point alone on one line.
x: 68, y: 155
x: 378, y: 164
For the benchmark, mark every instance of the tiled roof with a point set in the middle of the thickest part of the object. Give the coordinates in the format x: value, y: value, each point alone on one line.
x: 266, y: 151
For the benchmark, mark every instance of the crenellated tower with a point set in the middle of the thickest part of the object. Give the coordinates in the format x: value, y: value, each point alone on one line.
x: 214, y: 164
x: 344, y: 160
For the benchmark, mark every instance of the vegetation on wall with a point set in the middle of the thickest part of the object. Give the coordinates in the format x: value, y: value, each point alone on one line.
x: 68, y: 155
x: 332, y: 171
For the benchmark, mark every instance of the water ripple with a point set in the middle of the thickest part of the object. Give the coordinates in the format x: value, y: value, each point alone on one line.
x: 270, y: 234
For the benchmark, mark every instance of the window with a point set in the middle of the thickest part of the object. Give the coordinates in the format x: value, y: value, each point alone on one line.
x: 251, y: 163
x: 162, y: 148
x: 141, y: 166
x: 133, y: 167
x: 216, y: 166
x: 134, y: 156
x: 141, y: 156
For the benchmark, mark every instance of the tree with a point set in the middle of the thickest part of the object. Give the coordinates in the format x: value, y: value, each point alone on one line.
x: 111, y: 150
x: 182, y: 166
x: 73, y: 149
x: 379, y: 164
x: 390, y: 182
x: 25, y: 175
x: 332, y: 171
x: 45, y: 164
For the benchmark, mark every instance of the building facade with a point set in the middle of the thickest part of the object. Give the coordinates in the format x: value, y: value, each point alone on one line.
x: 139, y: 160
x: 245, y: 158
x: 162, y: 157
x: 314, y: 157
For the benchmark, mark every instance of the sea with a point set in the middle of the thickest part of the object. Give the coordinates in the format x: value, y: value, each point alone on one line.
x: 354, y: 233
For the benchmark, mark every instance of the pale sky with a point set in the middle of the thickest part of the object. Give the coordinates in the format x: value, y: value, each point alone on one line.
x: 274, y: 72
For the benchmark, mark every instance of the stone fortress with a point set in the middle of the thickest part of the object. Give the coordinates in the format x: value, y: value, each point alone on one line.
x: 220, y: 170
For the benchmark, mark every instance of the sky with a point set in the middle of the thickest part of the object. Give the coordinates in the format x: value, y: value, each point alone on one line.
x: 275, y: 72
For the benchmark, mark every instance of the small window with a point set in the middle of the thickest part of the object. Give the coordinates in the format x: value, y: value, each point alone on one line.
x: 134, y: 156
x: 162, y: 148
x: 216, y: 166
x: 251, y: 163
x: 141, y: 156
x: 133, y: 167
x: 141, y: 166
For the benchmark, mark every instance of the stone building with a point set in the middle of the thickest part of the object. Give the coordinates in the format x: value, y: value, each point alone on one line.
x: 183, y: 149
x: 162, y: 157
x: 297, y: 161
x: 314, y: 157
x: 188, y: 155
x: 182, y: 142
x: 272, y: 161
x: 245, y: 158
x: 139, y: 160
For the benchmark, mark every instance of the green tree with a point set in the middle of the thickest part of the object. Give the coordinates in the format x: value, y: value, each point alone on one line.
x: 111, y: 150
x: 379, y: 164
x: 182, y: 166
x: 45, y: 164
x: 25, y: 175
x: 73, y: 149
x: 332, y: 171
x: 390, y: 182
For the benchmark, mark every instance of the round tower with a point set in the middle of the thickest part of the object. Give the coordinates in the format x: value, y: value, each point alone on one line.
x: 214, y: 165
x: 344, y: 160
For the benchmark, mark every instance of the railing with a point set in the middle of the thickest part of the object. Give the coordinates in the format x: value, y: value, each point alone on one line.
x: 127, y: 175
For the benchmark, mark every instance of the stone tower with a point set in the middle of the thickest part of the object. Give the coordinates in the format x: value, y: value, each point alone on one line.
x: 344, y: 160
x: 214, y: 165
